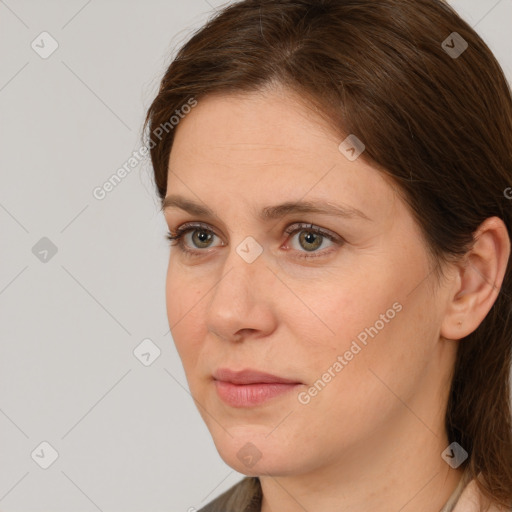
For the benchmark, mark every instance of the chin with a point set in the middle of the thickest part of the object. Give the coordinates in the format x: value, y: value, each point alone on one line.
x: 272, y: 465
x: 250, y: 451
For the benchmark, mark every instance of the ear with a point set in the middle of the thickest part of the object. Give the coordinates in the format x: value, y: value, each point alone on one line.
x: 478, y: 279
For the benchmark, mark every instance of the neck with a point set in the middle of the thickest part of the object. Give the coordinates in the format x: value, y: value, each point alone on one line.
x: 389, y: 473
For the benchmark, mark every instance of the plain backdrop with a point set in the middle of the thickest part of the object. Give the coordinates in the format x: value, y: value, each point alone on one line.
x: 90, y: 419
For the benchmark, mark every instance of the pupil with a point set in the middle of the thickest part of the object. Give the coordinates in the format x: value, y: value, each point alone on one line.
x: 202, y: 237
x: 311, y: 238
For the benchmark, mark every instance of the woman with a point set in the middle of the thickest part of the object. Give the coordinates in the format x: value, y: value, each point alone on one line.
x: 334, y: 176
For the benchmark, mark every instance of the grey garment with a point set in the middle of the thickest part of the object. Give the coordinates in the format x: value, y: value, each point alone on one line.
x: 246, y: 495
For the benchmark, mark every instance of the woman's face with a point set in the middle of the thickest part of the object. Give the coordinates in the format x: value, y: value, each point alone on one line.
x: 351, y: 323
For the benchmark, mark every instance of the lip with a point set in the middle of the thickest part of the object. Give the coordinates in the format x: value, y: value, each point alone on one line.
x: 250, y: 376
x: 249, y: 388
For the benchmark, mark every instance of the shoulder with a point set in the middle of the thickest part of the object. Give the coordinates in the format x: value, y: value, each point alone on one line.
x: 472, y: 500
x: 245, y: 496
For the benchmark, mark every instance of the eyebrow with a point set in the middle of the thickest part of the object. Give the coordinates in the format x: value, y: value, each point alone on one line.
x: 269, y: 212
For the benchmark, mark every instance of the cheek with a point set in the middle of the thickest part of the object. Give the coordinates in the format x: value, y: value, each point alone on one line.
x: 329, y: 315
x: 360, y: 397
x: 184, y: 289
x: 184, y: 313
x: 369, y: 321
x: 380, y: 360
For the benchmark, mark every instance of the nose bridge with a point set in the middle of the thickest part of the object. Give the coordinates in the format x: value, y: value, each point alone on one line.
x: 243, y: 270
x: 240, y: 297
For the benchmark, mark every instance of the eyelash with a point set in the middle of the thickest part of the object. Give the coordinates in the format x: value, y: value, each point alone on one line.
x: 176, y: 239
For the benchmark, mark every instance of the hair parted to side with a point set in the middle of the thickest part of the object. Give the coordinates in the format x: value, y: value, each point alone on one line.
x: 439, y: 127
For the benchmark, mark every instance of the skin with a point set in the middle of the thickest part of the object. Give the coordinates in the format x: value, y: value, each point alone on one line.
x: 372, y: 438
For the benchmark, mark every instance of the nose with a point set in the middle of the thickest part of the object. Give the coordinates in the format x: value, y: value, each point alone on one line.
x: 241, y: 304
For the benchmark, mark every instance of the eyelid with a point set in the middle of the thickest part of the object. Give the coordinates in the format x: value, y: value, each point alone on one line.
x: 289, y: 230
x: 306, y: 226
x: 194, y: 225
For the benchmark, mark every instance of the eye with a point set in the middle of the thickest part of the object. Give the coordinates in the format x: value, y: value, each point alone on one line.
x: 200, y: 237
x: 311, y: 238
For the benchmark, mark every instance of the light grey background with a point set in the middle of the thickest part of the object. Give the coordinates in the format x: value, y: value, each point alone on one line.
x: 128, y: 436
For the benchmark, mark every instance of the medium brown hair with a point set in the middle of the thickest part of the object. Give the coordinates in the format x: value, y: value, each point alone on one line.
x: 439, y: 125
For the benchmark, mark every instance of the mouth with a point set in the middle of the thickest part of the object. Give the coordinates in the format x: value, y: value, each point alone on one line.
x: 249, y: 388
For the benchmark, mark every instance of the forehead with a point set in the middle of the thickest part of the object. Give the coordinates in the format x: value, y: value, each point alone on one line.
x: 267, y: 148
x: 262, y: 125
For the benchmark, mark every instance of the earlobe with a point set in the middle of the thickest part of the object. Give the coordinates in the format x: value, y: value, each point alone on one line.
x: 478, y: 280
